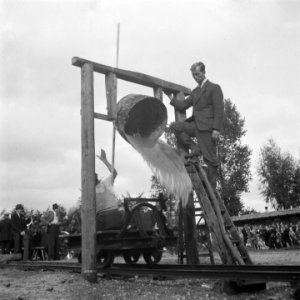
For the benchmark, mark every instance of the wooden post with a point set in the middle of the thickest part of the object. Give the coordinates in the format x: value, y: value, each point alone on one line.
x: 190, y: 232
x: 111, y: 95
x: 158, y: 93
x: 88, y: 190
x: 188, y: 213
x: 111, y: 100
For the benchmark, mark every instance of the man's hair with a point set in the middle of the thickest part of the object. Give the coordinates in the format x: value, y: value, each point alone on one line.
x: 198, y: 64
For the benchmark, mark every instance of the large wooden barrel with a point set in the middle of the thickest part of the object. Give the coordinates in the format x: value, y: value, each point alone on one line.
x: 140, y: 115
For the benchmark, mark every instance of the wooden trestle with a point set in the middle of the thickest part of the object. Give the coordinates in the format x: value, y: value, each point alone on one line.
x: 224, y: 234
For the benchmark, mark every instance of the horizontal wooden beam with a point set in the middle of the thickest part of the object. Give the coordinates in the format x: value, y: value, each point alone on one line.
x: 135, y: 77
x: 102, y: 117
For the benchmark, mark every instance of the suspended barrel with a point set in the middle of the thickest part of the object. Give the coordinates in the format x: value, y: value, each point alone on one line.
x: 141, y: 116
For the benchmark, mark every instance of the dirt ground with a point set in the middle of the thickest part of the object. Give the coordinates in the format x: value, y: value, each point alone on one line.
x: 28, y: 284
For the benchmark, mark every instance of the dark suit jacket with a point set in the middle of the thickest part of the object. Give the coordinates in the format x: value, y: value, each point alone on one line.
x: 208, y: 106
x: 5, y: 230
x: 18, y: 223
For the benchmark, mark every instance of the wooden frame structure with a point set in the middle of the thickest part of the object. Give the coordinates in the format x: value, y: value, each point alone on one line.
x: 88, y: 115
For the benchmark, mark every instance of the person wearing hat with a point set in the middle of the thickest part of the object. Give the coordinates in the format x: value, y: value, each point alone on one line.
x: 18, y: 224
x: 5, y: 234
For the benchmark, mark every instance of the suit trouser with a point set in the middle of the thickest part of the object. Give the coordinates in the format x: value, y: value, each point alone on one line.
x: 184, y: 132
x: 17, y: 237
x: 6, y: 244
x: 53, y: 244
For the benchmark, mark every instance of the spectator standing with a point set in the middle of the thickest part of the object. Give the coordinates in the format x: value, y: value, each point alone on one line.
x: 285, y: 237
x: 253, y: 237
x: 293, y: 237
x: 57, y: 216
x: 5, y: 234
x: 263, y: 233
x: 246, y: 234
x: 297, y: 231
x: 18, y: 223
x: 278, y: 237
x: 73, y: 227
x: 272, y: 237
x: 51, y: 222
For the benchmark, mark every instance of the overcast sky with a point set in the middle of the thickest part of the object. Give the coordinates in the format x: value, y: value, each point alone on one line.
x: 250, y: 48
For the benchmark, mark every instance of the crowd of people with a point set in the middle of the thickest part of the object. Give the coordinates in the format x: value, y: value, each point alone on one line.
x: 43, y: 230
x: 273, y: 236
x: 20, y: 229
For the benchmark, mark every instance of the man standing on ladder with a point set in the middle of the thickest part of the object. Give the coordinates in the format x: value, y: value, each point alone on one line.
x: 205, y: 123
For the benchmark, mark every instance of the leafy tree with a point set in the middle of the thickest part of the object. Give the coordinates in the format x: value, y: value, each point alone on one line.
x: 295, y: 198
x: 279, y: 174
x: 234, y: 156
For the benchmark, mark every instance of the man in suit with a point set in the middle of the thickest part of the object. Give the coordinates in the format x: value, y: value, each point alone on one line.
x: 206, y: 121
x: 18, y: 224
x: 5, y: 234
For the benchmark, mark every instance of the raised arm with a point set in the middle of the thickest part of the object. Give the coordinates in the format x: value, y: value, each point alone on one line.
x: 103, y: 158
x: 181, y: 104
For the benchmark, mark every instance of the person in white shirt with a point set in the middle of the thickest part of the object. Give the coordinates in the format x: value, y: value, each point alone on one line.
x: 57, y: 216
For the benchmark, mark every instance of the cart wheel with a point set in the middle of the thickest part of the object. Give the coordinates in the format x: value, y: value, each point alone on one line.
x: 105, y: 258
x: 131, y: 257
x: 152, y: 257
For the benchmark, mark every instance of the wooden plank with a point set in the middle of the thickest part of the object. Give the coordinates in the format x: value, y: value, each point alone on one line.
x: 190, y: 232
x: 180, y: 239
x: 233, y: 232
x: 180, y: 117
x: 111, y: 95
x: 211, y: 219
x: 101, y: 117
x: 88, y: 192
x: 216, y: 205
x: 158, y: 93
x: 135, y: 77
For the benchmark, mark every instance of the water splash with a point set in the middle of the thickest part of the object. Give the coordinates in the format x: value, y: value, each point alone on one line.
x: 166, y: 165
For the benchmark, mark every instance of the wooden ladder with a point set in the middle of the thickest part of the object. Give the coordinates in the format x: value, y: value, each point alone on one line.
x: 204, y: 232
x: 225, y: 235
